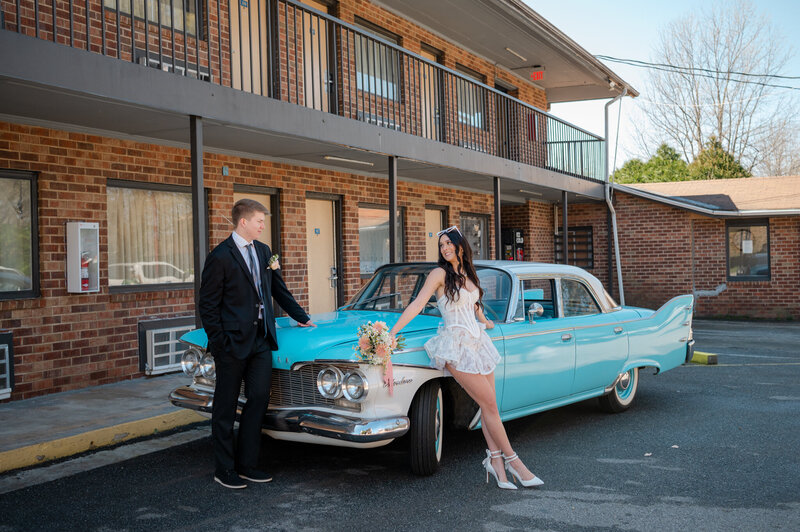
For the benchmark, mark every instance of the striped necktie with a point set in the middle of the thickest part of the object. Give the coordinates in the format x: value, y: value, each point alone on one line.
x: 254, y: 272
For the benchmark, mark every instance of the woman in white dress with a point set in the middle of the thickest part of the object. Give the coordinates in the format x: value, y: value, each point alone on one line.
x: 466, y: 351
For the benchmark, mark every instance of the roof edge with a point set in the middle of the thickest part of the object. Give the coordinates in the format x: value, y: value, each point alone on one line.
x: 689, y: 205
x: 573, y: 47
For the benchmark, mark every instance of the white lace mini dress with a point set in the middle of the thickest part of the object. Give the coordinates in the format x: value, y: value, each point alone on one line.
x: 461, y: 340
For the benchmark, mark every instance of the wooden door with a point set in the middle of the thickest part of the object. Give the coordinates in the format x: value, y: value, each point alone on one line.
x: 323, y: 274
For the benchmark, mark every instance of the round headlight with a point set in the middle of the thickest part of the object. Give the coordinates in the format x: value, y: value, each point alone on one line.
x: 329, y: 383
x: 355, y: 386
x: 190, y: 362
x: 207, y: 367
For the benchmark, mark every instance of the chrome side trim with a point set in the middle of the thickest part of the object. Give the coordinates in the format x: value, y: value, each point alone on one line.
x: 582, y: 327
x: 475, y: 419
x: 419, y: 366
x: 609, y: 389
x: 409, y: 350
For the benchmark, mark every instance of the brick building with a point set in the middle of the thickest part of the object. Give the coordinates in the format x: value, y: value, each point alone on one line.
x: 364, y: 126
x: 734, y: 243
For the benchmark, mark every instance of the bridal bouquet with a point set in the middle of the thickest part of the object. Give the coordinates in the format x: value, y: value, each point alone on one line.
x: 375, y: 346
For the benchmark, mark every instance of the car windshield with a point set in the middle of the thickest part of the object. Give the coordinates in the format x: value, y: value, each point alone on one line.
x: 394, y: 286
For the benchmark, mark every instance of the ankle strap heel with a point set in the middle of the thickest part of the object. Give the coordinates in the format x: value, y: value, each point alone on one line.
x: 487, y: 465
x: 532, y: 482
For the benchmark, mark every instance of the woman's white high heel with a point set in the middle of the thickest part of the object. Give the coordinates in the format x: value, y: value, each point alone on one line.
x: 530, y: 483
x: 487, y: 465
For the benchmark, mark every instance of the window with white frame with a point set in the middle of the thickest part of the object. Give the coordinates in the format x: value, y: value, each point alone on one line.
x: 183, y: 12
x: 377, y: 65
x: 471, y: 99
x: 373, y: 237
x: 19, y: 275
x: 150, y: 234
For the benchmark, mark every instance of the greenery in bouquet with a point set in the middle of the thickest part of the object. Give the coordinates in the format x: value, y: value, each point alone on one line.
x: 375, y: 345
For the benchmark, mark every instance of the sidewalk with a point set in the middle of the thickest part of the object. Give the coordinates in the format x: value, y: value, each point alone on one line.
x: 35, y: 431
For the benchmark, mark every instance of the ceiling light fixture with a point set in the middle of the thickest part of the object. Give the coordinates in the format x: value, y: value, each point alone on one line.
x: 530, y: 192
x: 343, y: 160
x: 512, y: 52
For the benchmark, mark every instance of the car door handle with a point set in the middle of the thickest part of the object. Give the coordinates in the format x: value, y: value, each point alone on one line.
x: 617, y: 330
x: 566, y: 337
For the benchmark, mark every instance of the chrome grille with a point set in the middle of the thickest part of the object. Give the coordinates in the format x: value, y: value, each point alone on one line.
x: 299, y: 388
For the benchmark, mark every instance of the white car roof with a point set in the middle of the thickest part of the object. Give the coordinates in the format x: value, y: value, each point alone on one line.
x: 523, y: 268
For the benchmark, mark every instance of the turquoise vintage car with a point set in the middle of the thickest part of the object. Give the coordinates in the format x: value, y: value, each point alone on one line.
x: 562, y: 339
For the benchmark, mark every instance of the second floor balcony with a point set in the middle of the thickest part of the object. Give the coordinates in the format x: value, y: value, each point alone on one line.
x: 288, y: 51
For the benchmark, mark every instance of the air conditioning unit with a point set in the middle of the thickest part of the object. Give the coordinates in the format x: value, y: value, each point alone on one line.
x: 160, y: 348
x: 6, y: 365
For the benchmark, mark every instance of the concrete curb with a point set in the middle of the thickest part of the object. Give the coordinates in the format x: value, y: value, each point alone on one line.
x: 40, y: 453
x: 709, y: 359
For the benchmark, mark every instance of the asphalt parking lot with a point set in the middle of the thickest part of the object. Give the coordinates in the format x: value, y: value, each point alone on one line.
x: 704, y: 447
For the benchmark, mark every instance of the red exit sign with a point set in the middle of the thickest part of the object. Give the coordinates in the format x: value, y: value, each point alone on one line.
x: 537, y: 75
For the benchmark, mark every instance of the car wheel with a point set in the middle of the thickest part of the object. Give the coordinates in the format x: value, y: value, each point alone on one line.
x: 621, y: 397
x: 427, y: 429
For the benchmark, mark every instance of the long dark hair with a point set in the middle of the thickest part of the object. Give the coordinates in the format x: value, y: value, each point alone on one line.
x: 453, y: 280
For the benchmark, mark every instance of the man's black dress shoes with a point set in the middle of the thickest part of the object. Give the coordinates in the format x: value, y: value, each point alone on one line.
x: 230, y: 479
x: 254, y: 475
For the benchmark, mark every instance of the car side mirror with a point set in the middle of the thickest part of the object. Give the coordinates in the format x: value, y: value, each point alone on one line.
x: 535, y: 311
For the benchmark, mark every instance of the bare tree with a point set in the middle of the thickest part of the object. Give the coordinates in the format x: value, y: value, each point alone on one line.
x: 725, y: 87
x: 781, y: 151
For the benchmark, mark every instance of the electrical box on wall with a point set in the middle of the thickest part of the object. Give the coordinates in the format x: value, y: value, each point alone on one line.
x: 83, y: 252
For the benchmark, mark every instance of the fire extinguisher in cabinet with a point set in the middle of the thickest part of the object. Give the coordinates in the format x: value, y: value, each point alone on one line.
x: 85, y: 272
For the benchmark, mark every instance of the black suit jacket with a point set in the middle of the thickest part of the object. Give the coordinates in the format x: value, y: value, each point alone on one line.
x: 228, y: 301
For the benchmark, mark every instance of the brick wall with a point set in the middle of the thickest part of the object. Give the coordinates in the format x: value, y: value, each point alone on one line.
x: 667, y: 251
x: 64, y: 341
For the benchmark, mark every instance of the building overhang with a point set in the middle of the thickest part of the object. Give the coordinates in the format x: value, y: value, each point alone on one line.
x: 695, y: 207
x: 490, y: 28
x: 62, y: 87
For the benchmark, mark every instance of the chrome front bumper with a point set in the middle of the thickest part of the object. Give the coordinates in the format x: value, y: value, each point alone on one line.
x: 319, y: 423
x: 689, y: 350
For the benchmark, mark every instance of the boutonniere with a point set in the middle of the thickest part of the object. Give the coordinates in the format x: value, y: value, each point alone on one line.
x: 273, y: 262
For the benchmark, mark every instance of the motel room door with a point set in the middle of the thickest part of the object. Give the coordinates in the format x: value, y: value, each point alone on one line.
x: 317, y: 85
x: 249, y: 52
x: 323, y: 254
x: 429, y: 96
x: 434, y: 222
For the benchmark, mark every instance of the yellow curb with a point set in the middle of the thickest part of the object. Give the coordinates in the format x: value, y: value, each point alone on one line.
x: 709, y: 359
x: 43, y: 452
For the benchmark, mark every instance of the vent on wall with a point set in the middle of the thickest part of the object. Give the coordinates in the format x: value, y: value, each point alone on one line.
x: 6, y: 365
x: 160, y: 348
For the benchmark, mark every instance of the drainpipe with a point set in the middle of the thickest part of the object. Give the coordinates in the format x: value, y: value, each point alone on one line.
x: 608, y: 201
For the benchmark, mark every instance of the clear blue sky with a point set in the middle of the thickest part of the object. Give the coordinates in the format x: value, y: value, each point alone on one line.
x: 629, y: 29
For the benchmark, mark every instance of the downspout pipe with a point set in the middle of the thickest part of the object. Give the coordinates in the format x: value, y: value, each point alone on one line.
x: 608, y: 199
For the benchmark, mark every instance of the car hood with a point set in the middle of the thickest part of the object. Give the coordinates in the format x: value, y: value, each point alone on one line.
x: 335, y: 335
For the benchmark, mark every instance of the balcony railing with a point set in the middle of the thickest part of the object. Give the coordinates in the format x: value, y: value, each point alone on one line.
x: 284, y: 50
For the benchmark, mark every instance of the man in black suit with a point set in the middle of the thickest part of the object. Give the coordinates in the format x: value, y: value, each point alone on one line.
x: 235, y: 304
